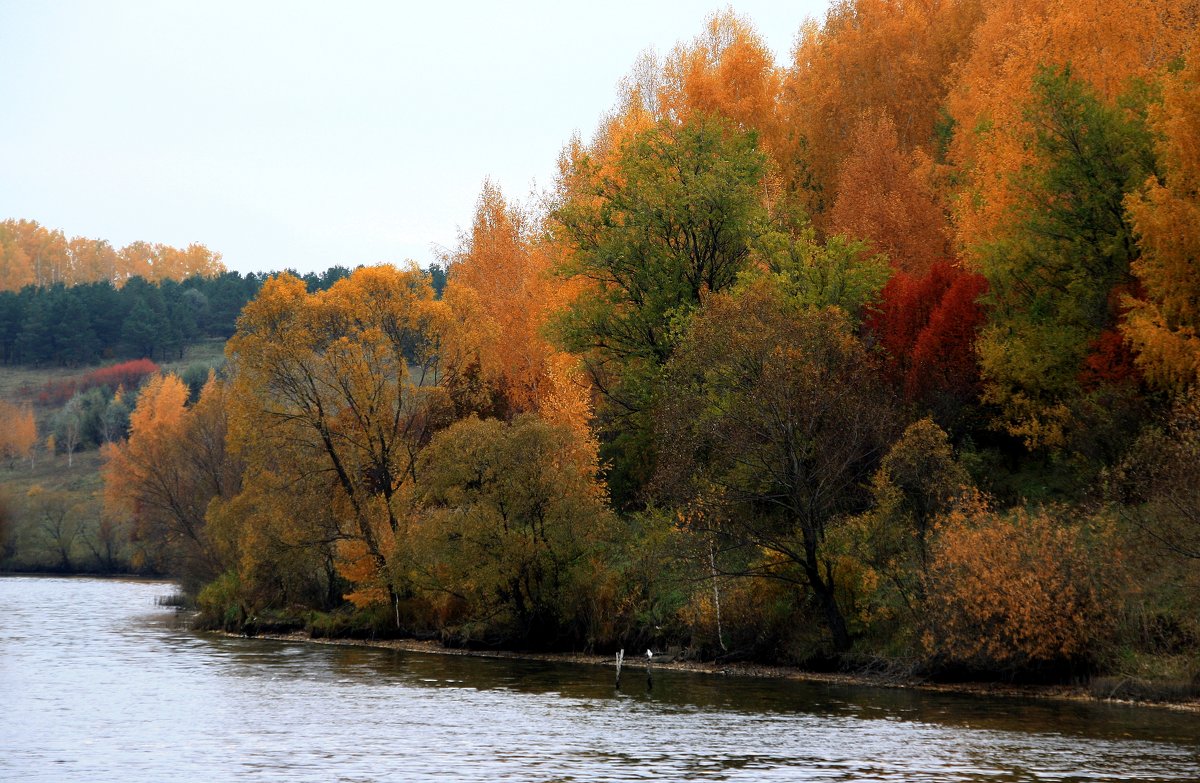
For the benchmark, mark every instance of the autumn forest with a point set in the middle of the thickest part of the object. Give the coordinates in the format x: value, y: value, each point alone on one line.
x: 883, y: 358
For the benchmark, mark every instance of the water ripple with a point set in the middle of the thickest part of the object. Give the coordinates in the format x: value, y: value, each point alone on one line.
x: 100, y: 684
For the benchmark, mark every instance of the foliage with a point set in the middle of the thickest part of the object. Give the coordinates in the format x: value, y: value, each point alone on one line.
x: 1163, y: 322
x: 837, y: 273
x: 671, y: 218
x: 1069, y: 243
x: 68, y: 426
x: 886, y: 199
x: 165, y: 475
x: 1159, y: 480
x: 57, y: 520
x: 870, y: 58
x: 1011, y: 592
x: 991, y: 87
x: 928, y: 326
x: 509, y: 515
x: 323, y: 386
x: 31, y: 254
x: 777, y: 419
x: 495, y: 357
x: 887, y: 548
x: 674, y: 220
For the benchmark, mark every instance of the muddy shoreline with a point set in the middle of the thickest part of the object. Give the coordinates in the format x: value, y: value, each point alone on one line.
x: 634, y: 663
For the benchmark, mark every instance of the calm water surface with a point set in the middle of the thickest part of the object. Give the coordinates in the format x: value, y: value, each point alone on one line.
x: 98, y: 683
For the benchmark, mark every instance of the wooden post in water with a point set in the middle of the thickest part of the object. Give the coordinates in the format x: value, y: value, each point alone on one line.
x: 620, y: 660
x: 649, y: 678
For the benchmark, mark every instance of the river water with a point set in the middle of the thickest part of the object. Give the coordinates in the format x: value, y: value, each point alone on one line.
x: 98, y: 683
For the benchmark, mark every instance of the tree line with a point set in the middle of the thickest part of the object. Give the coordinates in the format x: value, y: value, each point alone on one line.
x: 799, y: 364
x: 88, y: 323
x: 36, y: 255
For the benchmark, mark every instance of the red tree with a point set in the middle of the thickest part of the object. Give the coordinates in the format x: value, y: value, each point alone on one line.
x: 927, y: 326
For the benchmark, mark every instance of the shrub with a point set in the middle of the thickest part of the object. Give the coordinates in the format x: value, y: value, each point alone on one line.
x: 127, y: 374
x: 1018, y: 592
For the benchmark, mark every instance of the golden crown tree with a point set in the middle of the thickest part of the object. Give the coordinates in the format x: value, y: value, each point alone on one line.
x: 1164, y: 325
x: 336, y: 388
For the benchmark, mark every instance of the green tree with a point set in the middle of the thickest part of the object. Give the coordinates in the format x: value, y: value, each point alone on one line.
x: 839, y: 273
x: 776, y: 421
x: 35, y: 342
x: 56, y: 518
x: 143, y: 329
x: 69, y: 426
x: 673, y: 217
x: 1068, y: 245
x: 918, y: 481
x: 510, y: 514
x: 73, y: 335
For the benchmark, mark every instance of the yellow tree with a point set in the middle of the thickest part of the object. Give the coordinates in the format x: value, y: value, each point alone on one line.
x: 18, y: 438
x: 501, y: 292
x: 280, y: 535
x: 45, y: 251
x: 91, y: 260
x: 1164, y: 324
x: 339, y: 385
x: 15, y: 270
x: 136, y: 260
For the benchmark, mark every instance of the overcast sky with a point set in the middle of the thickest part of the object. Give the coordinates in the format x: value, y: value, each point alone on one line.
x: 304, y: 135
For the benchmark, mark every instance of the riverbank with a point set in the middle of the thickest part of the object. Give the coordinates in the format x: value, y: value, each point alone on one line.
x: 635, y: 663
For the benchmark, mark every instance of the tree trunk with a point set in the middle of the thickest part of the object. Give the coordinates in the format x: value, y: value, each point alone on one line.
x: 825, y: 593
x: 834, y: 618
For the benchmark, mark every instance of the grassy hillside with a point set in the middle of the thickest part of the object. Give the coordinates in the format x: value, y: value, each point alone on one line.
x: 51, y: 508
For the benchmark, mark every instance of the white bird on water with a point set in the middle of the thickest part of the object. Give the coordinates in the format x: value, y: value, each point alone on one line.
x: 649, y: 654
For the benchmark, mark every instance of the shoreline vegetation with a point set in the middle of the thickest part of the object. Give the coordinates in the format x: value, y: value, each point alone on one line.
x: 1061, y: 692
x: 809, y: 364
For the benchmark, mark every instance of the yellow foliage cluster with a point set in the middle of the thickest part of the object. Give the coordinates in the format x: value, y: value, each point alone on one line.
x: 18, y: 433
x: 1164, y: 325
x: 31, y: 254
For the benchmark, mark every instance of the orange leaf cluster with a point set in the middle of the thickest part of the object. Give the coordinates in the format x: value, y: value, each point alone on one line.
x: 885, y: 198
x: 502, y: 291
x: 1010, y: 591
x: 993, y: 85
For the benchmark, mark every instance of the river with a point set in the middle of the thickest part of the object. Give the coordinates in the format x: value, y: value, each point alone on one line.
x: 98, y: 683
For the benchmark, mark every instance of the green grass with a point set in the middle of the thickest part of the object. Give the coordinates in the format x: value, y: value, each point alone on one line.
x: 210, y: 352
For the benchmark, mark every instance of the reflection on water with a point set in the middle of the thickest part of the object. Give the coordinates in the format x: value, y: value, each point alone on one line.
x: 98, y: 683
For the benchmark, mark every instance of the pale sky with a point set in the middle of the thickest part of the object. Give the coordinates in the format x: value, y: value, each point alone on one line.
x: 303, y: 135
